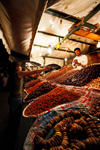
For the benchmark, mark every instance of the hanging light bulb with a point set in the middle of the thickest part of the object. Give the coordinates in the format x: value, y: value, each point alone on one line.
x: 60, y: 25
x: 98, y: 45
x: 65, y: 59
x: 49, y: 49
x: 40, y: 54
x: 51, y: 22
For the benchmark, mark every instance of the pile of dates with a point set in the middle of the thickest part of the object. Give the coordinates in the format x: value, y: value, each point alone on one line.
x: 83, y: 76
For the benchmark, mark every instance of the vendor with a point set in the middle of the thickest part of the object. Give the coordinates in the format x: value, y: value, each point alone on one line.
x: 80, y: 60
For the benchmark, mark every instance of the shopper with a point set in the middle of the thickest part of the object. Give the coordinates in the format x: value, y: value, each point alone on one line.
x: 16, y: 93
x: 80, y: 60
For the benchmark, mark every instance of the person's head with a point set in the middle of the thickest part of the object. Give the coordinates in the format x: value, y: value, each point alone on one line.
x: 18, y: 66
x: 77, y: 51
x: 14, y: 67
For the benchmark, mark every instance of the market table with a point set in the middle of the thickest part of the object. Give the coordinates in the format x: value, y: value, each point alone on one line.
x: 29, y: 126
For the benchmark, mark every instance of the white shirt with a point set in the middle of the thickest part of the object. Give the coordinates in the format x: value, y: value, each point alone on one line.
x: 81, y: 59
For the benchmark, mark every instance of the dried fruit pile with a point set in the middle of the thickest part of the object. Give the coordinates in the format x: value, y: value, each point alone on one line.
x: 58, y: 73
x: 83, y: 76
x: 64, y: 77
x: 53, y: 98
x: 45, y: 87
x: 94, y: 83
x: 95, y: 109
x: 31, y: 83
x: 72, y: 130
x: 35, y: 86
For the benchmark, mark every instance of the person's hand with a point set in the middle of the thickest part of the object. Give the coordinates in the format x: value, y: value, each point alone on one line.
x: 47, y: 68
x: 75, y: 61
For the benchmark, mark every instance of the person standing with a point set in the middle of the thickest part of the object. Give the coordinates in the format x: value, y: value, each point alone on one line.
x: 15, y: 99
x: 80, y: 60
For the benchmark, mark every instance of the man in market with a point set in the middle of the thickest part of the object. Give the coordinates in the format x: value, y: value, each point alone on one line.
x: 80, y: 60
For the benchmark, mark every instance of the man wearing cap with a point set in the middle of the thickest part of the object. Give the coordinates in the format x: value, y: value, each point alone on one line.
x: 80, y: 60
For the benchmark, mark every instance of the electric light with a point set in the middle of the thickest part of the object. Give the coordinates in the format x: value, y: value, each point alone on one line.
x: 50, y: 49
x: 40, y: 54
x: 60, y: 25
x: 98, y: 45
x: 51, y: 22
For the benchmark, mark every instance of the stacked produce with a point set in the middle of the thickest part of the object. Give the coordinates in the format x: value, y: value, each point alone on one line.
x: 35, y: 87
x: 53, y: 98
x: 95, y: 109
x: 31, y: 83
x: 44, y: 87
x: 58, y: 73
x: 64, y: 77
x: 72, y: 130
x: 95, y: 83
x: 83, y: 76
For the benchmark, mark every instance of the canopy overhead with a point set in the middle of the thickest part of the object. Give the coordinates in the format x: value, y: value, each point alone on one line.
x: 29, y: 26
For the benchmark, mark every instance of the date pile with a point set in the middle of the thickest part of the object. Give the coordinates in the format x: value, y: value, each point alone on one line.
x: 44, y: 87
x: 55, y: 97
x: 83, y: 76
x: 72, y: 130
x: 58, y: 73
x: 64, y: 77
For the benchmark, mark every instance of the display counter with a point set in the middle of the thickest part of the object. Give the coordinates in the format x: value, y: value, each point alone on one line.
x: 29, y: 126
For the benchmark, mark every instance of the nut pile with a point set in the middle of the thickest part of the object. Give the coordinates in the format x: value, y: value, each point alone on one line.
x: 72, y: 130
x: 83, y: 76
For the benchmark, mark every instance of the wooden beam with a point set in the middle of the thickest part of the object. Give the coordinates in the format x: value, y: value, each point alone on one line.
x: 50, y: 34
x: 63, y: 37
x: 40, y: 45
x: 55, y: 49
x: 81, y: 23
x: 62, y: 15
x: 92, y: 13
x: 71, y: 32
x: 72, y: 18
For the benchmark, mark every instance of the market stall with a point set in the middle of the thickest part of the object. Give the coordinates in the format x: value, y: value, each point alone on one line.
x: 28, y: 29
x: 45, y: 100
x: 89, y: 96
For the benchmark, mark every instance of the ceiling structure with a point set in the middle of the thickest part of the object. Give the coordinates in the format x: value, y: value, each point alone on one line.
x: 30, y: 26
